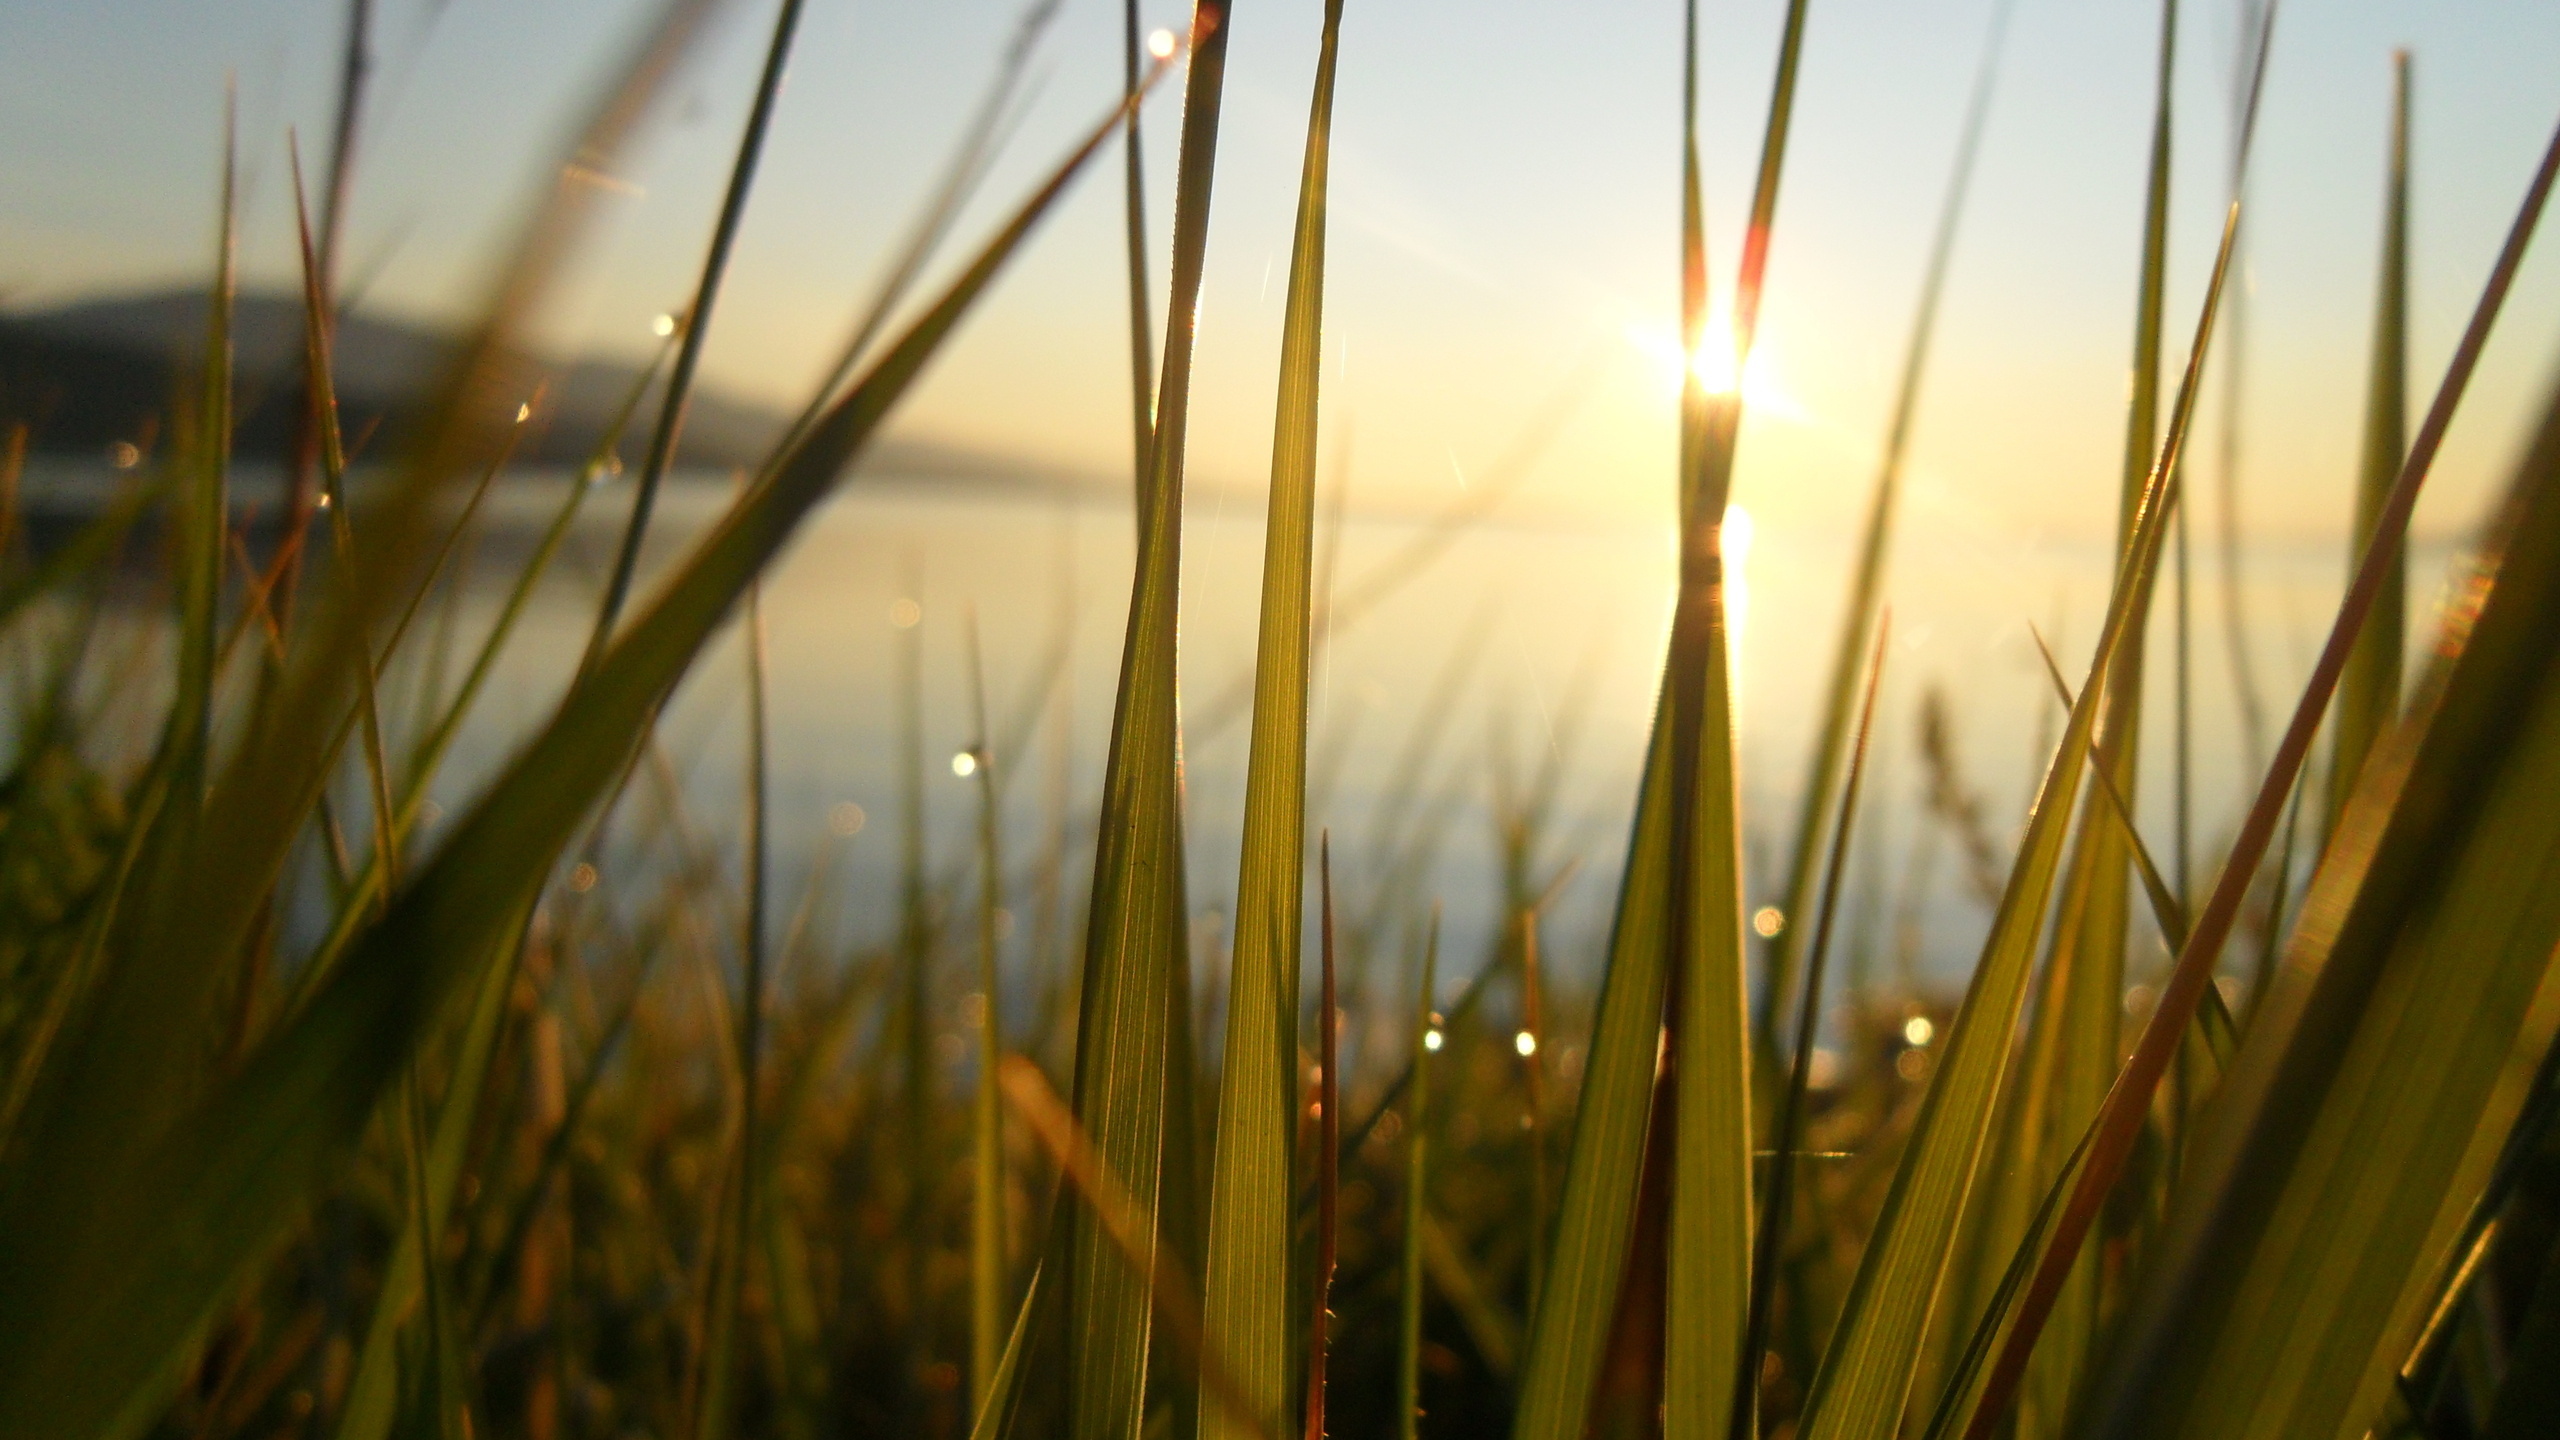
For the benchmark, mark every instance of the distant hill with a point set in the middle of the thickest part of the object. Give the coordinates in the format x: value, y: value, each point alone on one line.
x: 87, y: 375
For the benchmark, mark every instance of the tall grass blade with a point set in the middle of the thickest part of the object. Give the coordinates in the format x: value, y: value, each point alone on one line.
x: 696, y: 324
x: 1707, y: 1281
x: 1861, y: 1387
x: 1417, y: 1194
x: 2084, y: 989
x: 1866, y: 584
x: 1142, y: 378
x: 1786, y: 1137
x: 116, y: 1282
x: 2369, y: 692
x: 1253, y: 1188
x: 1135, y: 990
x: 2374, y: 1093
x: 986, y: 1115
x: 1328, y: 1156
x: 2130, y: 1097
x: 716, y: 1396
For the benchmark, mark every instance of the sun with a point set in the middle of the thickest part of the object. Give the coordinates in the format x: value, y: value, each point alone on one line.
x: 1711, y: 363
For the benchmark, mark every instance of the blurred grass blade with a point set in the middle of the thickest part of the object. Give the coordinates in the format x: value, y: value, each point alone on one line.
x: 1787, y: 1136
x: 1142, y: 379
x: 1417, y: 1194
x: 1252, y: 1192
x: 986, y: 1116
x: 116, y: 1284
x: 696, y: 325
x: 1328, y: 1156
x: 2369, y: 692
x: 2375, y: 1091
x: 1132, y: 1056
x: 2085, y: 978
x: 716, y: 1396
x: 125, y: 1077
x: 1707, y: 1283
x: 2129, y: 1100
x: 203, y: 518
x: 1861, y: 1388
x: 1866, y: 584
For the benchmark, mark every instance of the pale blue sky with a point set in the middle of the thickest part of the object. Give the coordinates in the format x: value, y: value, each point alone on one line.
x: 1503, y: 208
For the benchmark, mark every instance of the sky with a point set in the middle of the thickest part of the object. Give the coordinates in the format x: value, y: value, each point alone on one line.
x: 1504, y: 223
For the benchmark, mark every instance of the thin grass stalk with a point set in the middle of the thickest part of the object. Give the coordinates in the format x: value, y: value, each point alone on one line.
x: 201, y: 1206
x: 986, y: 1178
x: 1531, y: 1044
x: 968, y: 165
x: 2130, y: 1097
x: 355, y: 60
x: 333, y: 477
x: 1142, y: 399
x: 1132, y: 1058
x: 2250, y: 18
x: 1787, y: 1136
x: 1328, y: 1154
x: 2369, y: 692
x: 1707, y: 1275
x: 1863, y: 1382
x: 696, y: 324
x: 717, y: 1401
x: 1417, y: 1194
x: 917, y: 941
x: 1866, y: 586
x: 1254, y: 1185
x: 205, y: 505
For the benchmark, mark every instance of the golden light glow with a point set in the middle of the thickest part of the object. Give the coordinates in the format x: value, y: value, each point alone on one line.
x: 1160, y: 44
x: 1711, y: 363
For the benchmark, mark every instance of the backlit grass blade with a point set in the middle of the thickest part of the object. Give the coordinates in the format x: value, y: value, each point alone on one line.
x: 1861, y: 1387
x: 1328, y: 1156
x: 986, y: 1114
x: 1142, y: 376
x: 130, y: 1071
x: 696, y: 325
x: 2084, y: 988
x: 2130, y: 1098
x: 1253, y: 1190
x: 716, y: 1399
x: 2394, y: 1052
x: 2369, y: 693
x: 203, y: 514
x: 1136, y: 970
x: 1707, y: 1281
x: 1417, y: 1194
x: 1866, y: 584
x: 116, y: 1283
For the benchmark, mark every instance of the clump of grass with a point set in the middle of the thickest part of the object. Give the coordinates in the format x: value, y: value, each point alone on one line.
x: 552, y: 1131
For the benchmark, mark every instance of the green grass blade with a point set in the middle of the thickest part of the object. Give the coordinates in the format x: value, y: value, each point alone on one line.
x: 717, y: 1397
x: 2395, y: 1052
x: 1787, y: 1135
x: 2129, y: 1101
x: 1253, y: 1188
x: 1135, y: 991
x: 1707, y: 1287
x: 986, y: 1113
x: 696, y: 323
x: 1861, y: 1387
x: 1417, y: 1194
x: 116, y: 1284
x: 1866, y: 585
x: 2369, y: 693
x: 2085, y: 988
x: 203, y: 517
